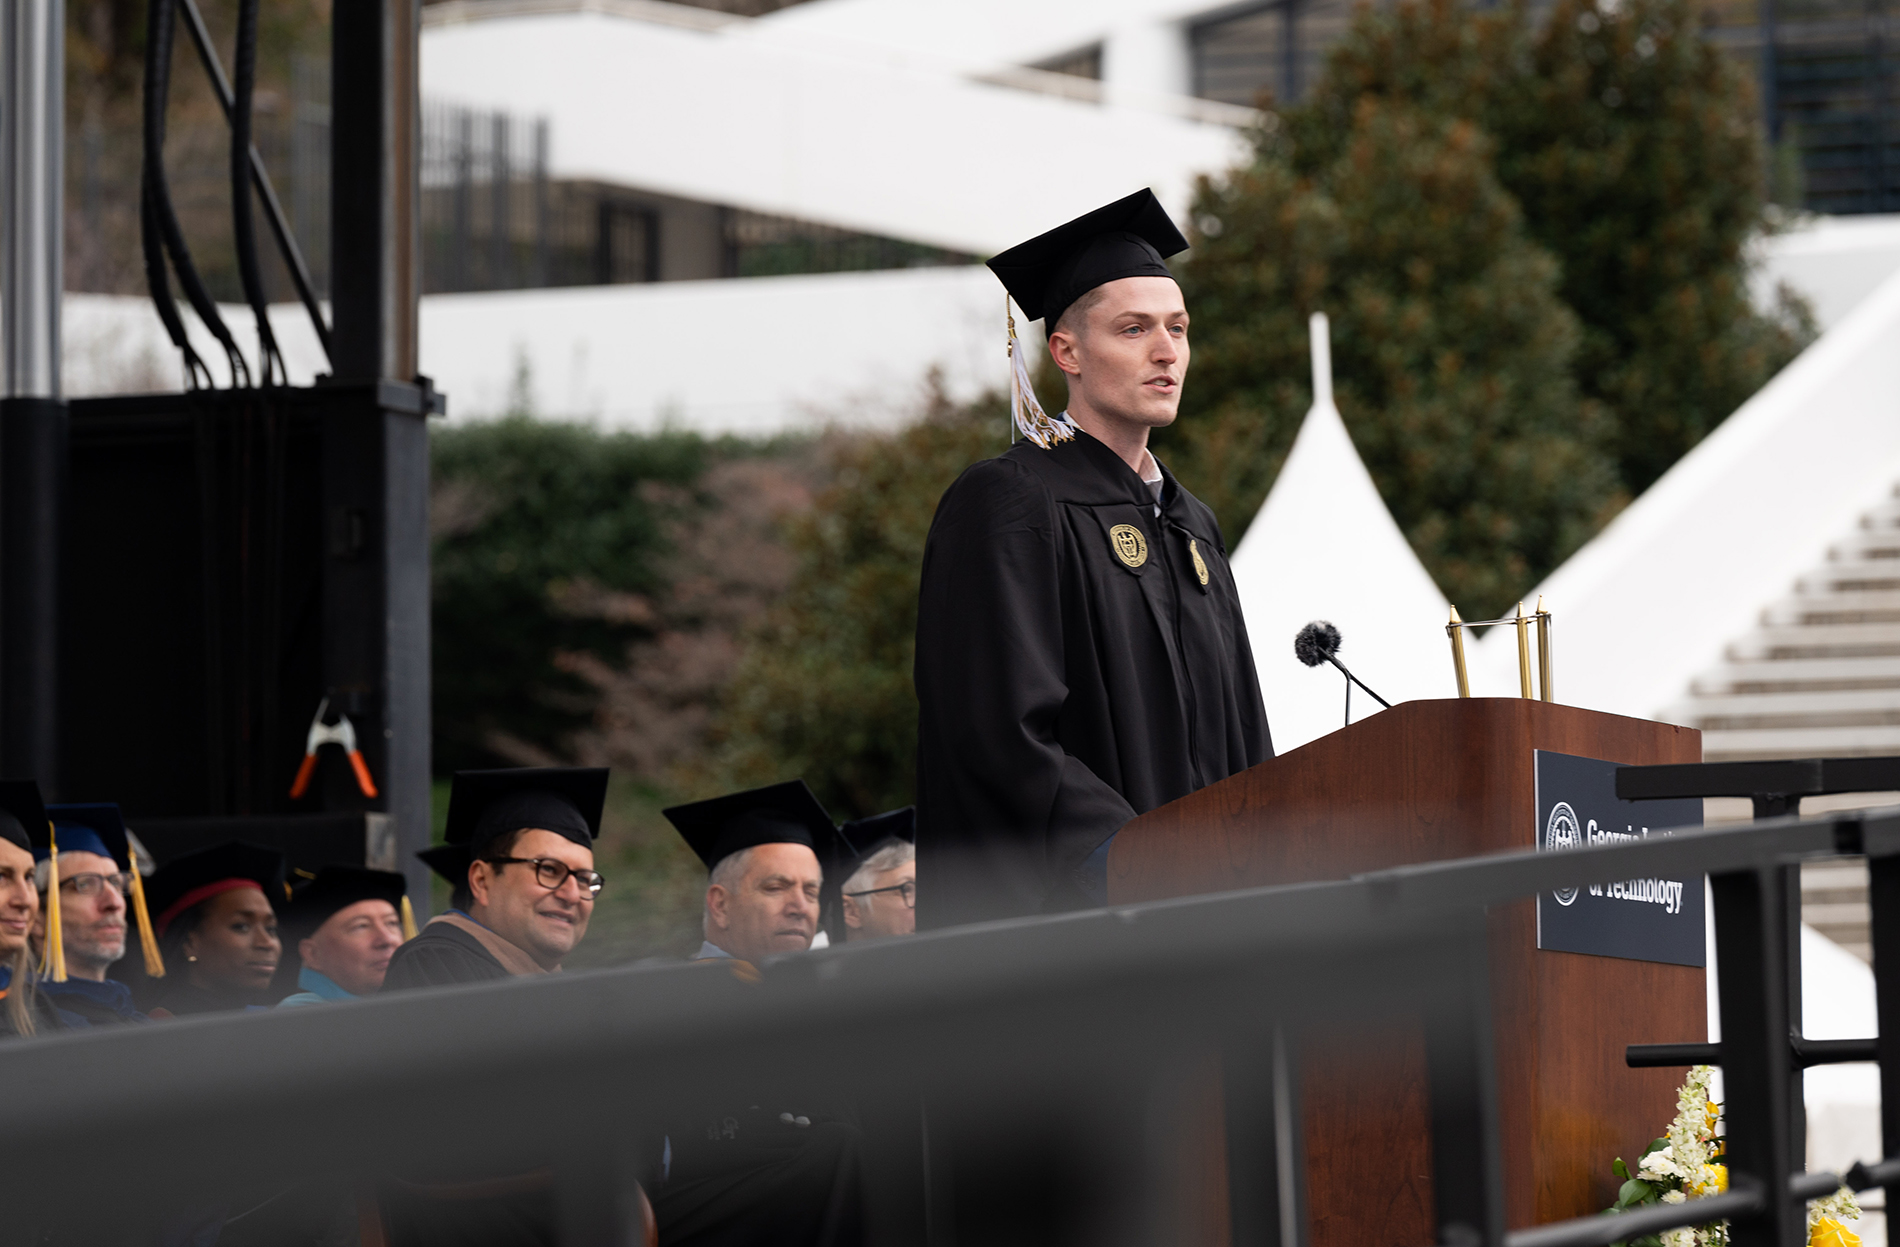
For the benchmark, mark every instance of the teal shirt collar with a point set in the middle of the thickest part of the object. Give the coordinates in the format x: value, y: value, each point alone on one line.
x: 321, y: 985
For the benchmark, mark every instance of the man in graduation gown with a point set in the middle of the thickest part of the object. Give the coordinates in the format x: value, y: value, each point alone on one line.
x: 345, y: 925
x: 786, y: 1174
x: 1081, y: 655
x: 520, y: 854
x: 878, y: 884
x: 99, y: 889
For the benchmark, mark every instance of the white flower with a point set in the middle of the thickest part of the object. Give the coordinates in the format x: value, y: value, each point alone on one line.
x: 1660, y: 1164
x: 1841, y: 1205
x: 1674, y: 1197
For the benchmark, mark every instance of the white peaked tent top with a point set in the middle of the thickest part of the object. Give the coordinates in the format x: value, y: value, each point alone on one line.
x: 1324, y: 547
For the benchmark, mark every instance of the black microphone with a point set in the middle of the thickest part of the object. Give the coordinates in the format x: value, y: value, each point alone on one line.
x: 1319, y: 642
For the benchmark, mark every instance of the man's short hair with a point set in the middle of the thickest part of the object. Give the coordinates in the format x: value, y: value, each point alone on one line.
x: 501, y: 844
x: 726, y: 874
x: 1070, y: 322
x: 890, y: 857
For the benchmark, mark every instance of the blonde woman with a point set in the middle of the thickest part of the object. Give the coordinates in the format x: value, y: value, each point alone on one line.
x: 23, y: 1011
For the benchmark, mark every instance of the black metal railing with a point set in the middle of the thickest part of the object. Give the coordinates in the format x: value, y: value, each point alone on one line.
x: 1040, y: 1029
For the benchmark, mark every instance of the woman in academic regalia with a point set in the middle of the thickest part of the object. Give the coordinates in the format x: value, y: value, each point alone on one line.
x: 23, y: 1009
x: 216, y: 918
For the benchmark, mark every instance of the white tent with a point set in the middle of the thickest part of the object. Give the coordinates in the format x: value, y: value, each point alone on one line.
x: 1324, y: 547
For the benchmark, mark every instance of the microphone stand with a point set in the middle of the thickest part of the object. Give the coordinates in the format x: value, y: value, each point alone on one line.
x: 1351, y: 680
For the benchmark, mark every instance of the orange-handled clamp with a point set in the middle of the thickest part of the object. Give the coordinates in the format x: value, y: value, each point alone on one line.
x: 322, y: 734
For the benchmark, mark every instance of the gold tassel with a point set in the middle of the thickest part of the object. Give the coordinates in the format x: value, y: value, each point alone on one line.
x: 53, y: 965
x: 408, y: 921
x: 154, y: 963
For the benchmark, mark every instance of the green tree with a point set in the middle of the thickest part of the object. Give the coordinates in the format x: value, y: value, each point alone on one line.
x: 532, y: 523
x: 1631, y: 143
x: 1452, y: 350
x: 824, y: 690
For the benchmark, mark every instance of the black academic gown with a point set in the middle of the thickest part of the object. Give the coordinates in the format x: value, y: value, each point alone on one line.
x: 1080, y: 661
x: 742, y: 1175
x: 179, y: 998
x: 491, y: 1210
x: 439, y: 956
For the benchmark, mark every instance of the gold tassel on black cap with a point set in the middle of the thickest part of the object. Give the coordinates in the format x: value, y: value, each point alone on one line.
x: 408, y: 921
x: 148, y: 942
x: 53, y: 964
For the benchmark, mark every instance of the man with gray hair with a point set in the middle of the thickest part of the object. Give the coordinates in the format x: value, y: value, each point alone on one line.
x: 763, y: 848
x: 790, y: 1175
x: 878, y: 896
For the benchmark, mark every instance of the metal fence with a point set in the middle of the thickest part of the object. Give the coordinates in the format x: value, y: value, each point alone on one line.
x: 1048, y: 1034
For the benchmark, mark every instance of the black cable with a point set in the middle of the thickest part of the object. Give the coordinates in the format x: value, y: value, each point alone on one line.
x: 158, y: 55
x: 270, y: 361
x: 287, y: 247
x: 155, y: 279
x: 154, y: 248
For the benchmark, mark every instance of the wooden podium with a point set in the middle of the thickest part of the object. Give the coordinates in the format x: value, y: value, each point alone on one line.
x: 1431, y: 780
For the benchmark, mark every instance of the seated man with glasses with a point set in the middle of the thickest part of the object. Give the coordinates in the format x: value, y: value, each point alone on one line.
x: 520, y: 854
x: 96, y: 897
x: 879, y: 893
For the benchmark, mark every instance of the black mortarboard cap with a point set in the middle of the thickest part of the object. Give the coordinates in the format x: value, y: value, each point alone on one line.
x: 339, y: 887
x: 450, y: 861
x: 1131, y: 237
x: 784, y: 813
x: 22, y: 813
x: 186, y: 881
x: 865, y: 836
x: 565, y: 800
x: 858, y: 838
x: 94, y: 827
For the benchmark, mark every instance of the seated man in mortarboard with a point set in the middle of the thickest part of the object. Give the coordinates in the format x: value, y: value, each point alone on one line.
x: 1081, y: 654
x: 215, y: 912
x: 101, y: 894
x: 520, y: 855
x: 347, y: 922
x: 521, y: 860
x: 763, y: 850
x: 760, y: 1173
x: 878, y: 891
x: 24, y: 1010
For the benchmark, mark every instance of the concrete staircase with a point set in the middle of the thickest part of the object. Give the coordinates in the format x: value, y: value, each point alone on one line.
x: 1818, y: 677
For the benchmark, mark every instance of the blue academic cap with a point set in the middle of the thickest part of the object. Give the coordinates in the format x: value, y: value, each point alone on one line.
x: 92, y: 827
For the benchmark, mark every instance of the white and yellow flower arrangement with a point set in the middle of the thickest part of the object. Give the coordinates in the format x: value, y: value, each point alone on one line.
x: 1686, y: 1164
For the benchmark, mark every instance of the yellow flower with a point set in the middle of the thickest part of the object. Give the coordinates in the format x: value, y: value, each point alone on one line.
x: 1828, y: 1232
x: 1711, y: 1114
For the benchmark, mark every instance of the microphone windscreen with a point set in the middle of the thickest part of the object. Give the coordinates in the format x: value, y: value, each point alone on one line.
x: 1316, y: 642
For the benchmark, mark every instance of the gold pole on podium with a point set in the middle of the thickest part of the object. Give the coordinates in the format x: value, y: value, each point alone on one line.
x: 1523, y: 654
x: 1546, y: 667
x: 1546, y: 661
x: 1456, y: 631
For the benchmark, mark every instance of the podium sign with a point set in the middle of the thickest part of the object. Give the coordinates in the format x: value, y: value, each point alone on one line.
x: 1636, y: 919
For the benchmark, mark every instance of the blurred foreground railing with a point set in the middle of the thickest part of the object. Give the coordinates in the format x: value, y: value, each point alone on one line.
x: 1055, y: 1031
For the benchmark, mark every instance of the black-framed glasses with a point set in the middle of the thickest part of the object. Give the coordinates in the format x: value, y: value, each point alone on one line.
x: 551, y: 874
x: 906, y: 889
x: 89, y: 884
